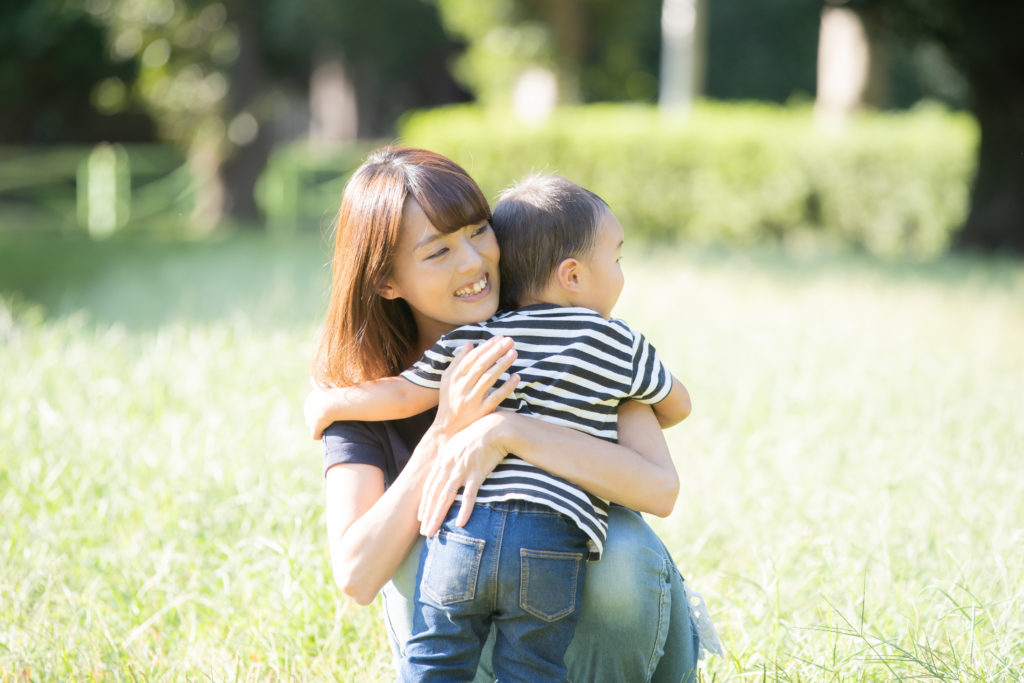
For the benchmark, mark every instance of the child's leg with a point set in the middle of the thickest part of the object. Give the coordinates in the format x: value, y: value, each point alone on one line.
x: 540, y: 584
x: 451, y: 614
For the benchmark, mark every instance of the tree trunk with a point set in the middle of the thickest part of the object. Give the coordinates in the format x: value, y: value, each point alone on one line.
x: 249, y: 128
x: 204, y: 162
x: 983, y: 40
x: 567, y: 21
x: 683, y: 46
x: 333, y: 106
x: 996, y: 218
x: 844, y: 66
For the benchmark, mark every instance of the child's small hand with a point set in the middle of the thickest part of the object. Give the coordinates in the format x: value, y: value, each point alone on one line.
x: 317, y: 408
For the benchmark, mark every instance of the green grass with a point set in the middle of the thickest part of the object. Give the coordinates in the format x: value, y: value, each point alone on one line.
x: 852, y: 502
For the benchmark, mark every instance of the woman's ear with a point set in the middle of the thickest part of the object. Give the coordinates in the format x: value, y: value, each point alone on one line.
x: 388, y: 291
x: 568, y: 274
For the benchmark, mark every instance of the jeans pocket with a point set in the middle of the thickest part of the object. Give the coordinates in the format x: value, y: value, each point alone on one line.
x: 548, y: 582
x: 451, y: 568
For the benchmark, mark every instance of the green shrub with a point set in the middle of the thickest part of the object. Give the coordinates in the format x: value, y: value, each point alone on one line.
x: 735, y: 173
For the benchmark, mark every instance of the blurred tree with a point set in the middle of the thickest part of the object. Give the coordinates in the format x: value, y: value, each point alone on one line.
x: 622, y: 51
x: 683, y: 52
x: 185, y: 52
x: 394, y: 53
x: 982, y: 40
x: 849, y: 66
x: 503, y: 39
x: 597, y: 49
x: 225, y: 78
x: 763, y: 50
x: 53, y: 63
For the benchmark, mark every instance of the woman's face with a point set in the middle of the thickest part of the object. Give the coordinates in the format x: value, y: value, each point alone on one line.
x: 448, y: 280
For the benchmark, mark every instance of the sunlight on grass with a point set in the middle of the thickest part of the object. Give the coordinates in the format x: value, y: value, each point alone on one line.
x: 852, y: 484
x: 852, y: 487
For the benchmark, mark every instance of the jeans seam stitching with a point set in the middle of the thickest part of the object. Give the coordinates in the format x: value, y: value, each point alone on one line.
x: 659, y: 634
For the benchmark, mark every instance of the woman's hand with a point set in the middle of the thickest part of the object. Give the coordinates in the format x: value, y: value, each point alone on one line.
x: 467, y: 386
x: 464, y: 461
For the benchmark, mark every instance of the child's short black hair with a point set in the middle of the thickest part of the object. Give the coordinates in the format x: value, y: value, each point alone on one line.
x: 540, y: 222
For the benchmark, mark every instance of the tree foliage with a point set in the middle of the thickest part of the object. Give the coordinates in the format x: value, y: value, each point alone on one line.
x: 599, y: 49
x: 56, y: 76
x: 983, y: 41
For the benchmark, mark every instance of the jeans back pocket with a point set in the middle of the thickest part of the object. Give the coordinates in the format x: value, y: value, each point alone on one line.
x: 451, y: 568
x: 548, y: 582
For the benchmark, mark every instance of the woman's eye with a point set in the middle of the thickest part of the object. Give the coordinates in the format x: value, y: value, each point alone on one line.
x: 482, y: 229
x: 437, y: 254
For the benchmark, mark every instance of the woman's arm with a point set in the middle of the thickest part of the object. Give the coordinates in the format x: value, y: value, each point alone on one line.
x: 372, y: 527
x: 637, y: 472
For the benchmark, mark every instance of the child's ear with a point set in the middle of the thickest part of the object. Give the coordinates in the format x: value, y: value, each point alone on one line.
x: 568, y: 274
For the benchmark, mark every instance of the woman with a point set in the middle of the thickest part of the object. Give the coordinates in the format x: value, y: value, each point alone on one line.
x: 414, y: 258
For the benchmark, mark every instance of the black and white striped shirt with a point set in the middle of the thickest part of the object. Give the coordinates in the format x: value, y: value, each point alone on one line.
x: 575, y: 368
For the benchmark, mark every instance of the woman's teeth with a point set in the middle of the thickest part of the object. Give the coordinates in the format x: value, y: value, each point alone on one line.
x: 474, y: 288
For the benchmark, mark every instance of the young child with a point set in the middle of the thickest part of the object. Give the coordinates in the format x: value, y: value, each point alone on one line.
x: 519, y: 560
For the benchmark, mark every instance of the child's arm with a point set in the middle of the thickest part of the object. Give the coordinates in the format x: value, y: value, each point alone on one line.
x: 389, y: 398
x: 675, y: 407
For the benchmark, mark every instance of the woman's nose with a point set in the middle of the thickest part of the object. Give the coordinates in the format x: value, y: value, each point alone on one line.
x: 469, y: 257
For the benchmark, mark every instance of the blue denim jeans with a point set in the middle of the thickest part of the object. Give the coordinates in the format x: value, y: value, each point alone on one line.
x: 516, y: 565
x: 634, y: 622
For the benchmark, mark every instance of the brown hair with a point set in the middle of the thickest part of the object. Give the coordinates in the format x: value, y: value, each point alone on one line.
x: 364, y: 335
x: 540, y: 222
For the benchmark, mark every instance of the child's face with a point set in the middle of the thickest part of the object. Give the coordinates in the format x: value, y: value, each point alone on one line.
x: 602, y: 273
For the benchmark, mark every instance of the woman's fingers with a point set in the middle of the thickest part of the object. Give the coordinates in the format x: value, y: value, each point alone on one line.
x: 437, y: 508
x: 438, y: 495
x: 460, y: 354
x: 469, y: 492
x: 500, y: 393
x: 429, y: 494
x: 485, y: 357
x: 490, y: 375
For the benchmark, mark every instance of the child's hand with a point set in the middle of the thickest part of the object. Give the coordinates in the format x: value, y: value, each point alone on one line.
x: 318, y: 408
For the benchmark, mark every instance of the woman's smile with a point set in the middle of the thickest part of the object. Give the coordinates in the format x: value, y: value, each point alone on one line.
x: 478, y: 289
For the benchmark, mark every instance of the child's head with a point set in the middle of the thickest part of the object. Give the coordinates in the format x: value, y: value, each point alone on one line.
x: 554, y: 233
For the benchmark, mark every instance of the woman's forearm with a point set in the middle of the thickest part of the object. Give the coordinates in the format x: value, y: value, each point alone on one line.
x: 637, y: 472
x: 371, y: 529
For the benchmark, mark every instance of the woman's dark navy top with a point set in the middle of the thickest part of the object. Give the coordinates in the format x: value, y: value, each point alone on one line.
x: 387, y: 444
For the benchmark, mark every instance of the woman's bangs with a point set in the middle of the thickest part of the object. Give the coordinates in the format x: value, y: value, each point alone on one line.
x: 453, y: 202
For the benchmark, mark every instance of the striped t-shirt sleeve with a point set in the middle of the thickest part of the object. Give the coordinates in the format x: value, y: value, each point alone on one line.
x: 427, y: 371
x: 652, y: 381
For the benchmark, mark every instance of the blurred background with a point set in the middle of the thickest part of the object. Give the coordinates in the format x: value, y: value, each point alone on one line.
x: 894, y: 126
x: 824, y: 210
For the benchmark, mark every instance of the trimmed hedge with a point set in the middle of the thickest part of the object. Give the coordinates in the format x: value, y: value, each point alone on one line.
x: 893, y: 183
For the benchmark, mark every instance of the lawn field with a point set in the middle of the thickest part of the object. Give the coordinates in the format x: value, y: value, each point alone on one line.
x: 852, y: 502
